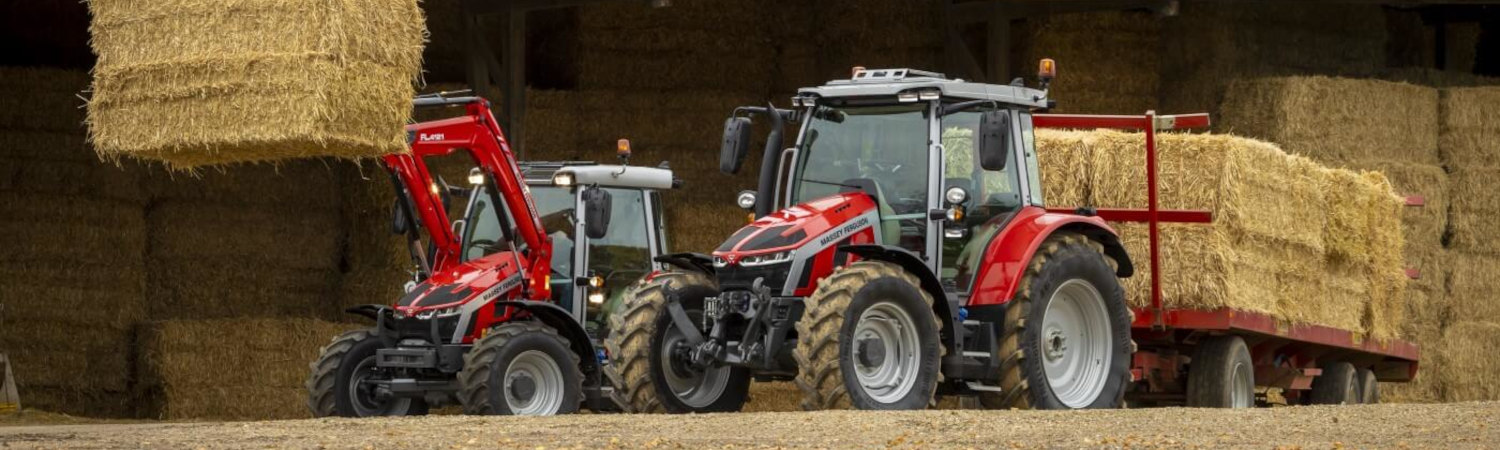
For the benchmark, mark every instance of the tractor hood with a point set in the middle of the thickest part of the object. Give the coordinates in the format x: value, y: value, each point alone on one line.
x: 452, y: 291
x: 818, y: 223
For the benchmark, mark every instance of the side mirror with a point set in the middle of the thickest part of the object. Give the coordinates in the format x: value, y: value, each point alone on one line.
x: 596, y: 208
x: 398, y: 220
x: 994, y: 139
x: 736, y: 144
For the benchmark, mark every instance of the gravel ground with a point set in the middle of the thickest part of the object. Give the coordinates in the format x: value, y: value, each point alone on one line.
x: 1472, y: 425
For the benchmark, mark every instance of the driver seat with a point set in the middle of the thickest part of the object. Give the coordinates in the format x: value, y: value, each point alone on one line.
x: 890, y: 229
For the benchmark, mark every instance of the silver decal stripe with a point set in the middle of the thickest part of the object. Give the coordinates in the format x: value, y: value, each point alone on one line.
x: 801, y: 258
x: 466, y: 313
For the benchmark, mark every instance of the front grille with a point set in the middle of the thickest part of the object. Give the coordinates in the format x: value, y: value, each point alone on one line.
x: 741, y: 277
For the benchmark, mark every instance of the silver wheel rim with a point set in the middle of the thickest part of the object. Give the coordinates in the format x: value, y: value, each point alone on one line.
x: 361, y: 393
x: 533, y: 384
x: 1075, y: 340
x: 1243, y: 394
x: 885, y: 352
x: 694, y: 388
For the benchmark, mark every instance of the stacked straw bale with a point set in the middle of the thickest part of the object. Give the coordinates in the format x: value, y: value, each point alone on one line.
x: 1268, y: 249
x: 250, y: 241
x: 244, y: 369
x: 196, y: 83
x: 1336, y: 119
x: 376, y: 262
x: 1109, y: 60
x: 1214, y: 43
x: 72, y: 278
x: 699, y: 44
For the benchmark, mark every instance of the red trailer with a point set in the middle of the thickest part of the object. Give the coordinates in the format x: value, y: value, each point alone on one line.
x: 1207, y: 357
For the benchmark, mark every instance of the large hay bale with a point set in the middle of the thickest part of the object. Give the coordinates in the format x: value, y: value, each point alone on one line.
x: 1471, y: 127
x: 1473, y: 288
x: 1336, y: 119
x: 1427, y: 76
x: 1110, y: 59
x: 42, y: 99
x: 304, y: 183
x: 1064, y: 157
x: 376, y: 260
x: 196, y: 83
x: 1471, y: 372
x: 237, y: 369
x: 1475, y: 209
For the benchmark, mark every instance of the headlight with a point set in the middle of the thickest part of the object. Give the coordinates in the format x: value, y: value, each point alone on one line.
x: 563, y: 179
x: 746, y: 199
x: 767, y: 259
x: 476, y: 178
x: 720, y: 262
x: 956, y: 195
x: 438, y: 313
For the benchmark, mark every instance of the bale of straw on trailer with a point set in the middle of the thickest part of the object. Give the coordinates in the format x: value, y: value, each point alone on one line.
x: 196, y: 83
x: 1113, y: 75
x: 1064, y: 157
x: 1470, y: 128
x: 1336, y: 119
x: 242, y: 369
x: 1386, y: 263
x: 1471, y: 372
x: 1475, y: 209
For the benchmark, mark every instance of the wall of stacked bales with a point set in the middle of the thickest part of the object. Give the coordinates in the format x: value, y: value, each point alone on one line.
x: 1436, y: 143
x: 1279, y: 236
x: 1108, y: 60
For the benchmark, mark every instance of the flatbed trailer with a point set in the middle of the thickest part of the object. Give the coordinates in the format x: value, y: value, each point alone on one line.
x: 1282, y: 355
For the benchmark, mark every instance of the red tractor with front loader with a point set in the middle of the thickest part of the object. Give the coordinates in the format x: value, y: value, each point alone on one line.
x: 502, y: 316
x: 902, y: 249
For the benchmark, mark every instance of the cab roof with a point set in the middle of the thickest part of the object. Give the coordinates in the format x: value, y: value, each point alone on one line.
x: 889, y: 82
x: 540, y: 173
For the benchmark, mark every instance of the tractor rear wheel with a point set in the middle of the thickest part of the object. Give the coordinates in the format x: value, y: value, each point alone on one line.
x: 340, y: 383
x: 868, y: 339
x: 521, y: 369
x: 646, y: 352
x: 1336, y: 386
x: 1066, y: 341
x: 1222, y: 374
x: 1369, y: 387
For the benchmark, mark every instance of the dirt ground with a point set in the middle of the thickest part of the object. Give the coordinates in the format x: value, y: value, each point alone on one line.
x: 1464, y: 425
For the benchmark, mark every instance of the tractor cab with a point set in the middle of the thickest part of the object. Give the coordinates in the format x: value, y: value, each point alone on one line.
x: 944, y: 162
x: 590, y: 273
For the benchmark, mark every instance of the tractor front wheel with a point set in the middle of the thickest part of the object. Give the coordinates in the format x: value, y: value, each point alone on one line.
x: 344, y: 381
x: 868, y: 339
x: 522, y: 369
x: 1066, y: 341
x: 648, y: 363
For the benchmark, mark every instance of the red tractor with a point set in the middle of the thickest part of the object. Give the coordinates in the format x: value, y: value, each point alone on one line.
x: 901, y: 250
x: 494, y: 321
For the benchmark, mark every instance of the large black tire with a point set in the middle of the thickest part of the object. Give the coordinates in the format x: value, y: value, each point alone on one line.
x: 1369, y: 387
x: 1222, y: 374
x: 333, y: 389
x: 1063, y: 258
x: 544, y: 367
x: 1336, y: 386
x: 827, y: 360
x: 637, y: 365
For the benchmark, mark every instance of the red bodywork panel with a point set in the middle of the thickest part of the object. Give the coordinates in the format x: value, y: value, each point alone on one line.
x: 824, y: 224
x: 1011, y: 249
x: 453, y: 282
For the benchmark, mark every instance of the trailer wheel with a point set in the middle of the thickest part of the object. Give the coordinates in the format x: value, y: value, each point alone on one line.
x: 338, y: 384
x: 644, y: 348
x: 868, y: 339
x: 523, y: 369
x: 1336, y: 386
x: 1369, y: 387
x: 1222, y: 374
x: 1066, y: 340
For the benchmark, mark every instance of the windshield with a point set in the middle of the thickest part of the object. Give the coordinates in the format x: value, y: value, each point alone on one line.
x: 555, y: 205
x: 880, y: 150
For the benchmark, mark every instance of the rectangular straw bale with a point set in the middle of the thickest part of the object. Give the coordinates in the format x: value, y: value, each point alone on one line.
x: 208, y: 289
x: 304, y: 183
x: 1472, y: 288
x: 745, y: 71
x: 42, y: 99
x: 879, y: 23
x: 102, y: 367
x: 81, y: 402
x: 1336, y: 119
x: 194, y: 83
x: 1475, y: 209
x: 1438, y: 78
x: 1471, y: 127
x: 182, y: 365
x: 1471, y: 372
x: 1201, y: 271
x: 1117, y: 75
x: 90, y: 178
x: 1345, y: 234
x: 45, y: 146
x: 61, y: 228
x: 1063, y: 157
x: 1386, y: 265
x: 291, y: 237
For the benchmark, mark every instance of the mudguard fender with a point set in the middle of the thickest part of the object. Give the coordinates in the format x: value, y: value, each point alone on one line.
x: 1008, y: 254
x: 943, y: 305
x: 562, y: 321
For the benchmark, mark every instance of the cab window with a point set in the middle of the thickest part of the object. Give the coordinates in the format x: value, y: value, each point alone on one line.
x: 992, y: 197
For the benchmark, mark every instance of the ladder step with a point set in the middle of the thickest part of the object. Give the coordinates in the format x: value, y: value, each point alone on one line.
x: 972, y: 323
x: 976, y: 386
x: 974, y: 354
